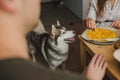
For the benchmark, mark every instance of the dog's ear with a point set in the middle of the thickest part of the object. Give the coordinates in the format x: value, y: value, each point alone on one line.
x: 53, y: 30
x: 58, y: 23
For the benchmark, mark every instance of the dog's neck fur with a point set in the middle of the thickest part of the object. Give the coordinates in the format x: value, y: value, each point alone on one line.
x: 60, y: 46
x: 50, y: 48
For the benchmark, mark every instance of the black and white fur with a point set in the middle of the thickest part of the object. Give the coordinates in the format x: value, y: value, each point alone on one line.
x: 53, y: 46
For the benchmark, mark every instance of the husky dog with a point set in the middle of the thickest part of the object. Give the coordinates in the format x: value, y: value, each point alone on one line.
x: 53, y: 46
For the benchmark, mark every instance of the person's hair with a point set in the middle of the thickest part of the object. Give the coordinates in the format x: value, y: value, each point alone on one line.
x: 100, y: 7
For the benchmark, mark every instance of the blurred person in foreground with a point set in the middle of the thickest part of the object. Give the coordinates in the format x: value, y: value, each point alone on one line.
x: 17, y: 19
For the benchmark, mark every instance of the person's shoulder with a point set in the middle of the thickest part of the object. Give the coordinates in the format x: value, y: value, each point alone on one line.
x: 118, y: 1
x: 93, y: 2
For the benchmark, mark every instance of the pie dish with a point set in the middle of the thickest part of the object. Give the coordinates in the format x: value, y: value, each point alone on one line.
x: 102, y: 40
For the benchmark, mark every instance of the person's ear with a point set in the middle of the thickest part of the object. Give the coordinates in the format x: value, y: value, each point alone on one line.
x: 8, y: 5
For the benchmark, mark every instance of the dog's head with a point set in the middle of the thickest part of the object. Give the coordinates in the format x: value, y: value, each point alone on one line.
x: 60, y: 34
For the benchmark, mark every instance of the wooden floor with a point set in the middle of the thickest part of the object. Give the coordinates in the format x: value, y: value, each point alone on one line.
x: 50, y: 14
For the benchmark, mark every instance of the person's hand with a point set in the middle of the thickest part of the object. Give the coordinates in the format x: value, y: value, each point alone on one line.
x: 116, y: 24
x: 90, y: 23
x: 96, y: 68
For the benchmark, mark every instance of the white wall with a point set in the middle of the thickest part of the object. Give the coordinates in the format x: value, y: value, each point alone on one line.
x: 75, y: 6
x: 78, y: 7
x: 85, y: 8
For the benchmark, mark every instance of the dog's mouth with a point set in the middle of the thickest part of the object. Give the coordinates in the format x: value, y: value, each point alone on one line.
x: 70, y: 40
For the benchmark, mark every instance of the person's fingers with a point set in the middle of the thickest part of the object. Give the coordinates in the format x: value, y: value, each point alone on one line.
x: 94, y: 26
x: 112, y: 25
x: 91, y: 24
x: 104, y: 66
x: 116, y: 24
x: 93, y: 59
x: 102, y: 61
x: 88, y: 24
x: 98, y: 60
x: 119, y: 26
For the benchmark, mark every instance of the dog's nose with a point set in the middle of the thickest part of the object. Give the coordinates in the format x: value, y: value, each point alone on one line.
x: 74, y: 32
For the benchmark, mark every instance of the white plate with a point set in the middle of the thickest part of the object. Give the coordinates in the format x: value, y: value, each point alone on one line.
x: 109, y: 41
x: 116, y: 54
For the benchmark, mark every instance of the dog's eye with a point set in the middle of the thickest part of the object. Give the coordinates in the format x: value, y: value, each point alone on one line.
x: 64, y: 32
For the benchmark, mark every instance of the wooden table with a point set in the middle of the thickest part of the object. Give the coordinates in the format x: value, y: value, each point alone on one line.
x: 86, y: 48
